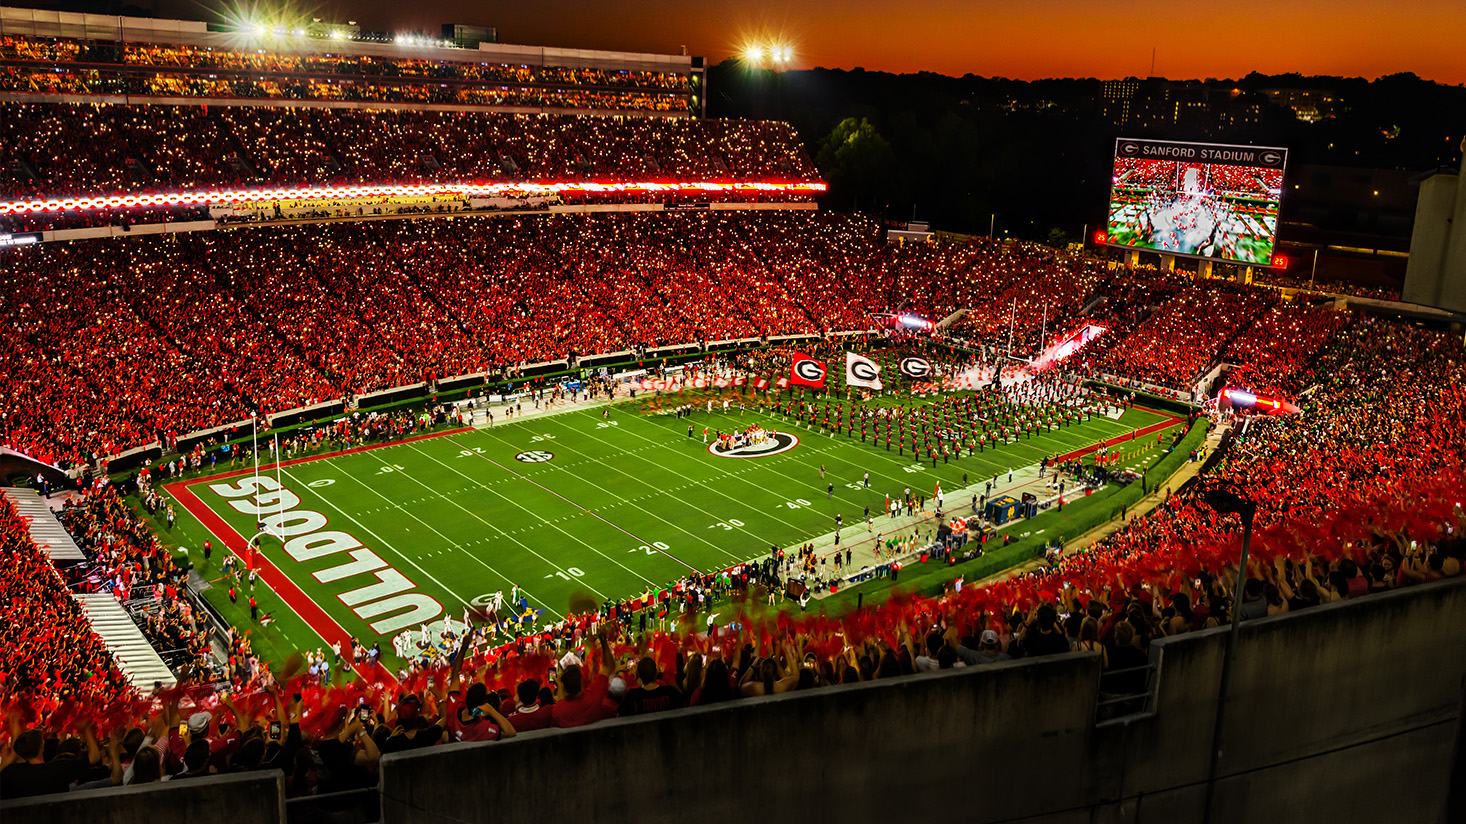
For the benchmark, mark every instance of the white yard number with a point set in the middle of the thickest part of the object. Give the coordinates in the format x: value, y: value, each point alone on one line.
x: 727, y: 525
x: 464, y: 453
x: 914, y: 468
x: 654, y: 548
x: 391, y: 468
x: 542, y: 438
x: 606, y: 424
x: 797, y: 503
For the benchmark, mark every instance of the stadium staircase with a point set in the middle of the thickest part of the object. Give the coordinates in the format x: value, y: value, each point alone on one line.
x: 136, y: 658
x: 49, y: 536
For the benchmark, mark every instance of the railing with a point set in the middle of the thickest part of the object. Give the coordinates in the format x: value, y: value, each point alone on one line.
x: 1128, y: 703
x: 363, y: 806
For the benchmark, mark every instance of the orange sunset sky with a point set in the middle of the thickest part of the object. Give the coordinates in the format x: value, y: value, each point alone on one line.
x: 1024, y: 39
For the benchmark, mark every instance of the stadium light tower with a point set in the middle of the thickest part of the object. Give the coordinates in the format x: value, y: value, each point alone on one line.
x: 1226, y: 498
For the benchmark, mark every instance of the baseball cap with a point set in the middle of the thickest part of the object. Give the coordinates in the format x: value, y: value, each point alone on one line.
x: 198, y: 723
x: 989, y: 638
x: 617, y: 688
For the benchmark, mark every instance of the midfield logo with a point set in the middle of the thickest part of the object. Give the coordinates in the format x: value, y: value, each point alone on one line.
x: 772, y: 444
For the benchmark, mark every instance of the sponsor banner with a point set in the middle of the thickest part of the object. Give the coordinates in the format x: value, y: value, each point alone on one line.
x: 862, y: 371
x: 807, y: 371
x: 1262, y: 156
x: 916, y: 368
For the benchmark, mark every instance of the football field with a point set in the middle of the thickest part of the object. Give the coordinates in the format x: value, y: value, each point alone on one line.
x: 570, y: 507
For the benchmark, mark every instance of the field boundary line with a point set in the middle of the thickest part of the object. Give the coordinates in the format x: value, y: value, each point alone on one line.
x: 294, y: 597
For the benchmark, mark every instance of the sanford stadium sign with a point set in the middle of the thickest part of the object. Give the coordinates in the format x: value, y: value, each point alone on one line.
x: 1263, y: 156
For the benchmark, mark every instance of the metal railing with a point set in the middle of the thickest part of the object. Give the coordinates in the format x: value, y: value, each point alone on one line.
x: 362, y: 806
x: 1118, y: 705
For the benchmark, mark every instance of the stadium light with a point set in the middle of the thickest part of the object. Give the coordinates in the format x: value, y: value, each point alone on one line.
x: 753, y: 54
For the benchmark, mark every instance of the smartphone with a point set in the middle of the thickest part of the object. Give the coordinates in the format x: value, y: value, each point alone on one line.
x: 183, y: 728
x: 364, y: 713
x: 274, y: 729
x: 551, y: 676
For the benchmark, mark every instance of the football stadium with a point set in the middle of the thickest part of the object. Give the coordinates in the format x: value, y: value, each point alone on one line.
x: 416, y: 429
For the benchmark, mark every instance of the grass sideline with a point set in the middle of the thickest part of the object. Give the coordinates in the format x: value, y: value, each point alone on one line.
x: 1076, y: 519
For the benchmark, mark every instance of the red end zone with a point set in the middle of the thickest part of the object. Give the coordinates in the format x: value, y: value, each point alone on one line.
x: 324, y: 625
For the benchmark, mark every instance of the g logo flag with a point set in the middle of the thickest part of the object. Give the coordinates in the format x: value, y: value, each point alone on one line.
x: 861, y: 371
x: 807, y: 371
x: 914, y: 367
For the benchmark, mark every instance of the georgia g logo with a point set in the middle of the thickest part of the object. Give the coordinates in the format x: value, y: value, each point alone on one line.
x: 1129, y: 149
x: 773, y: 444
x: 865, y: 370
x: 1270, y: 158
x: 914, y: 367
x: 810, y: 370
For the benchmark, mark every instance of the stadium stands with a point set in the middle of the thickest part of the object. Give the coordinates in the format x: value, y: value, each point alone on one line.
x: 48, y: 67
x: 166, y: 148
x: 110, y: 345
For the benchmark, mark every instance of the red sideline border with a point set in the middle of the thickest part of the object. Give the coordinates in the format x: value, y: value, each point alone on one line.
x: 1170, y: 420
x: 289, y: 592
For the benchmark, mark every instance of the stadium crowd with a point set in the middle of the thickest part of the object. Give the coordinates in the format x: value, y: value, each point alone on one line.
x: 188, y: 333
x: 1186, y: 334
x: 55, y: 67
x: 1357, y: 496
x: 154, y: 148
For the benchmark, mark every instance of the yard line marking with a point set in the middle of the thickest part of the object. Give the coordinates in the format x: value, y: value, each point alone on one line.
x: 567, y: 575
x: 577, y: 538
x: 707, y: 484
x: 649, y: 512
x: 384, y: 542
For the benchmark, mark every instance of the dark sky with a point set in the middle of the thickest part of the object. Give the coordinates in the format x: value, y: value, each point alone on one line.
x: 1023, y: 39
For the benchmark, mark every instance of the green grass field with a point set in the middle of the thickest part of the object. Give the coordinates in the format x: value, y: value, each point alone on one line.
x: 625, y: 505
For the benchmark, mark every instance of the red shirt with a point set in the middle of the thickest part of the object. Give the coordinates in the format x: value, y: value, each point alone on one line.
x: 481, y: 728
x: 586, y: 708
x: 533, y: 717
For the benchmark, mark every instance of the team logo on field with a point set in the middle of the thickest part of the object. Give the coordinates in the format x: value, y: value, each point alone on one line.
x: 534, y: 456
x: 810, y: 370
x: 914, y: 367
x: 771, y: 444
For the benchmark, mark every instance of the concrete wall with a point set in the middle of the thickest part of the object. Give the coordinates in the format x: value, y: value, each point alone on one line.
x: 1329, y: 709
x: 244, y: 798
x: 1344, y: 700
x: 855, y: 753
x: 1343, y: 713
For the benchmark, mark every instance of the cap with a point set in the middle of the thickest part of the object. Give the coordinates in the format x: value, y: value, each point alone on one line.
x: 989, y: 638
x: 198, y: 723
x: 617, y: 688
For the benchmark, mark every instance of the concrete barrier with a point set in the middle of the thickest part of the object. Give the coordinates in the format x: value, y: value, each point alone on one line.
x: 1349, y: 712
x: 861, y: 752
x: 239, y: 798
